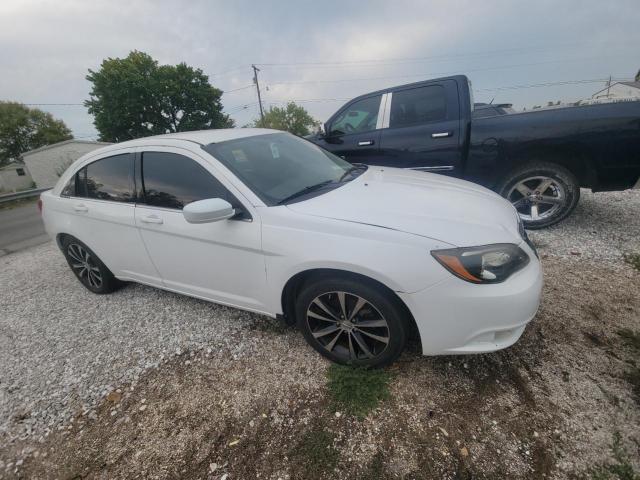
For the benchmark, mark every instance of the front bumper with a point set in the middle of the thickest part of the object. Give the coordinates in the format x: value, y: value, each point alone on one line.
x: 458, y: 317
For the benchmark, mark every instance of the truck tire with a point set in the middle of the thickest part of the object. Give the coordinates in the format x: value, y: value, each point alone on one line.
x: 544, y: 193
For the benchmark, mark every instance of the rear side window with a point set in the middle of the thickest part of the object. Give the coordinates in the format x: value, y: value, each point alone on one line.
x: 170, y: 180
x: 360, y: 116
x: 109, y: 178
x: 417, y: 106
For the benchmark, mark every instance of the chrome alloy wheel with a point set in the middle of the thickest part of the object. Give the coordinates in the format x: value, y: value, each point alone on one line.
x: 84, y: 265
x: 348, y: 325
x: 537, y: 198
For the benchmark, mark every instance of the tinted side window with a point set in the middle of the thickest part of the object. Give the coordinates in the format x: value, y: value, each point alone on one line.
x: 107, y: 179
x: 418, y: 105
x: 360, y: 116
x: 170, y: 180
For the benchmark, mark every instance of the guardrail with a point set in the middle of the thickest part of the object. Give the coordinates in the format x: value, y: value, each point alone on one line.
x: 8, y: 197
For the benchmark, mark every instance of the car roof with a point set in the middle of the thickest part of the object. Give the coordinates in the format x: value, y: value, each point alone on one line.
x: 201, y: 137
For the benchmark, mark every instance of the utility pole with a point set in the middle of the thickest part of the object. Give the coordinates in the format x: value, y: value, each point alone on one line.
x: 608, y: 87
x: 255, y: 80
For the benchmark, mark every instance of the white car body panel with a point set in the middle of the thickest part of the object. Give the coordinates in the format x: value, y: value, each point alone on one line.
x: 382, y: 225
x: 463, y: 213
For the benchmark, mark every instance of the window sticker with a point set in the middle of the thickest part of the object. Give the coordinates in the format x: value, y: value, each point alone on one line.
x: 239, y: 155
x: 274, y: 150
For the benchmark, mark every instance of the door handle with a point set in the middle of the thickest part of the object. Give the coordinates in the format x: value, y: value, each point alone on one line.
x: 151, y: 219
x: 365, y: 143
x: 441, y: 135
x: 80, y: 208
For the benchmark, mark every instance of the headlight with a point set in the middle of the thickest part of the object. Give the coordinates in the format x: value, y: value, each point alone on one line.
x: 484, y: 264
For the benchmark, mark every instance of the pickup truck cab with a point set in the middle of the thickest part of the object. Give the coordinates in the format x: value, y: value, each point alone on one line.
x: 538, y: 159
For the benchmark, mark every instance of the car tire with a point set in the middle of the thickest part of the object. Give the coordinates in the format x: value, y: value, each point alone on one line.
x: 352, y: 322
x: 88, y: 268
x: 544, y: 193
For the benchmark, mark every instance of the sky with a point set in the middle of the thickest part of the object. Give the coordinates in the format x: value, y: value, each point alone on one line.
x: 320, y: 53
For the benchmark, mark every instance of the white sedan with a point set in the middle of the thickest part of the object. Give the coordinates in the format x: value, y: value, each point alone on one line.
x: 358, y: 257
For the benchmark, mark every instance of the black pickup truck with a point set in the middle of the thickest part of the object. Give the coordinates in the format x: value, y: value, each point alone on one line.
x: 537, y: 159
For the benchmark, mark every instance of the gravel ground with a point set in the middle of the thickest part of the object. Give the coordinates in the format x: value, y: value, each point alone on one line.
x: 63, y: 348
x: 557, y: 395
x: 604, y: 226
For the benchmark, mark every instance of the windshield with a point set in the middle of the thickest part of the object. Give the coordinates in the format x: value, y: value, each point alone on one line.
x: 280, y: 166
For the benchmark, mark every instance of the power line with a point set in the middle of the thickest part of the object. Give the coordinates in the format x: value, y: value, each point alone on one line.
x: 391, y: 61
x: 238, y: 89
x: 226, y: 72
x: 54, y: 104
x: 548, y: 84
x: 432, y: 74
x: 238, y: 108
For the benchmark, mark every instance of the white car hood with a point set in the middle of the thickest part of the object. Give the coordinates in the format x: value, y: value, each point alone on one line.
x: 443, y: 208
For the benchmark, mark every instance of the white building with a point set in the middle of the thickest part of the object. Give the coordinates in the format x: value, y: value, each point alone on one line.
x: 619, y: 90
x: 47, y: 163
x: 14, y: 177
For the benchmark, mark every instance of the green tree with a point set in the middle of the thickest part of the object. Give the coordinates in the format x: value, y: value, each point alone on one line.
x: 135, y: 97
x: 23, y: 129
x: 292, y: 118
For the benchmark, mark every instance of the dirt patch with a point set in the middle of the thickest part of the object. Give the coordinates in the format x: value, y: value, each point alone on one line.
x: 548, y: 407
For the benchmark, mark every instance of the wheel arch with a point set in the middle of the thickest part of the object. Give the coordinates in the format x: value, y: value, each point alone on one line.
x: 581, y: 165
x: 60, y: 237
x: 297, y: 281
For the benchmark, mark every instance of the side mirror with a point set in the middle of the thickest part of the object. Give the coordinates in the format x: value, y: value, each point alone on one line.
x: 208, y: 210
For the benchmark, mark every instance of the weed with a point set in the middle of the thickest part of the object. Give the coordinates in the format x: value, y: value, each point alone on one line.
x: 375, y: 469
x: 316, y: 453
x: 357, y: 391
x: 630, y: 338
x: 633, y: 259
x: 621, y: 469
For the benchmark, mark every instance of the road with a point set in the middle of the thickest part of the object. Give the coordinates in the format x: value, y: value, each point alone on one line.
x: 21, y: 227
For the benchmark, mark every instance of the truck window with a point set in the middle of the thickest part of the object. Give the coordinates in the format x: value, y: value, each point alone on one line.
x: 360, y: 116
x: 417, y: 106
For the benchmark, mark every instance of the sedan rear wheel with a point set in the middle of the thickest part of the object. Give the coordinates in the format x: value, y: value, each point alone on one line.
x: 87, y: 267
x: 84, y: 265
x: 352, y: 322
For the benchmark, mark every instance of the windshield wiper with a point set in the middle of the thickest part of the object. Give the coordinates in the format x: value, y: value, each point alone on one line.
x: 305, y: 190
x: 351, y: 169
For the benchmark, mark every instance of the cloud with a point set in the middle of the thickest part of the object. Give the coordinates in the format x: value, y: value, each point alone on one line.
x: 47, y: 47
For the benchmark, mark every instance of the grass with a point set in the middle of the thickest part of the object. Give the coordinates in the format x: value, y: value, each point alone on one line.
x: 620, y: 468
x: 633, y: 259
x: 375, y: 469
x: 357, y: 391
x: 316, y: 453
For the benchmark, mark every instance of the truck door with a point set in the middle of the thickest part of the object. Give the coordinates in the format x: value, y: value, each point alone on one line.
x: 353, y: 133
x: 421, y: 128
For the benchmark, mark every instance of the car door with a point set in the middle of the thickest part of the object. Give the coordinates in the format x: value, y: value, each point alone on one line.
x: 100, y: 206
x: 422, y: 130
x: 353, y: 133
x: 219, y: 261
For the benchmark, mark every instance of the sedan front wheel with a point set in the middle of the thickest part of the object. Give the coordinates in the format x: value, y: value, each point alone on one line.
x: 352, y: 322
